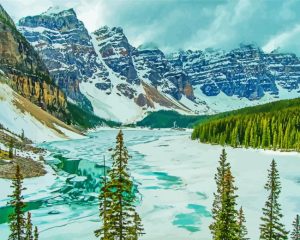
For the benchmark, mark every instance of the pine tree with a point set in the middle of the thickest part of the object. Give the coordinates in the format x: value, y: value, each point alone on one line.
x: 104, y: 232
x: 17, y: 219
x: 36, y: 234
x: 219, y: 178
x: 11, y: 149
x: 137, y: 228
x: 117, y: 200
x: 272, y: 129
x: 22, y: 135
x: 271, y: 227
x: 296, y: 229
x: 228, y: 222
x: 223, y: 212
x: 28, y: 226
x: 241, y: 223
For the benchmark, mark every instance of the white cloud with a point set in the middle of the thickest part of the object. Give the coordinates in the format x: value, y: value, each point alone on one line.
x: 224, y: 26
x: 94, y: 16
x: 284, y: 39
x: 182, y: 24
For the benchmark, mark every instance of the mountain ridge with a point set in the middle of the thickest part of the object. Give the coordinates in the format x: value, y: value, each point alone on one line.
x: 200, y: 82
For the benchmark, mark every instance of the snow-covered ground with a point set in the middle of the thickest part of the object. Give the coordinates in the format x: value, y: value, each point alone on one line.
x: 17, y: 119
x: 176, y: 182
x: 194, y: 165
x: 222, y: 102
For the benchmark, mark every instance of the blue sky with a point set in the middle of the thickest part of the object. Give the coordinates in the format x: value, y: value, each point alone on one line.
x: 186, y: 24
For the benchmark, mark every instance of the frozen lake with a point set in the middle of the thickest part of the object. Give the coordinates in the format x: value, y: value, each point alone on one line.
x: 175, y: 178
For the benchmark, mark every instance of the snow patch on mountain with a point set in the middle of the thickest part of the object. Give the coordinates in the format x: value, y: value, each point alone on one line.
x: 16, y: 118
x: 58, y: 10
x: 102, y: 72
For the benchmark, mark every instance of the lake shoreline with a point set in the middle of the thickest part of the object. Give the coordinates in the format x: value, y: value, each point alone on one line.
x: 175, y: 177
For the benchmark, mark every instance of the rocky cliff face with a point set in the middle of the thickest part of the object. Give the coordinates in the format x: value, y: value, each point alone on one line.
x: 95, y: 70
x: 28, y: 74
x: 104, y: 73
x: 65, y: 46
x: 117, y: 52
x: 153, y: 65
x: 245, y: 72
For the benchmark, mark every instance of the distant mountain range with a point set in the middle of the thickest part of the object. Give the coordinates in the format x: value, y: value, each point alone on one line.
x: 31, y: 101
x: 103, y: 73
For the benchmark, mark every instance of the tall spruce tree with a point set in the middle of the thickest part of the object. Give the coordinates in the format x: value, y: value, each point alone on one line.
x: 17, y: 219
x: 104, y: 208
x: 242, y: 227
x: 36, y: 233
x: 225, y: 224
x: 28, y: 234
x: 137, y: 228
x: 11, y: 149
x: 271, y: 227
x: 217, y: 204
x: 117, y: 200
x: 295, y: 235
x: 228, y: 221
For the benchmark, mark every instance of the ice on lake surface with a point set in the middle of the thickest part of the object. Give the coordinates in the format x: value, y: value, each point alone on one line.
x: 174, y: 177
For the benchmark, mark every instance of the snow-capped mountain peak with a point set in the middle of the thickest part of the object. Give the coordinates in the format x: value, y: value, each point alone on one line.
x: 58, y: 10
x: 103, y: 72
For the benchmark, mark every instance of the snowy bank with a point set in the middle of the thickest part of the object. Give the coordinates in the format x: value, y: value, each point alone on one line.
x: 167, y: 212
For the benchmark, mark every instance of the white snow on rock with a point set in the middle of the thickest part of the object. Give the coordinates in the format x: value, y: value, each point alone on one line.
x: 56, y: 10
x: 17, y: 120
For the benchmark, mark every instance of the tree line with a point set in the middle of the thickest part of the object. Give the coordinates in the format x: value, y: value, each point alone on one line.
x: 268, y: 130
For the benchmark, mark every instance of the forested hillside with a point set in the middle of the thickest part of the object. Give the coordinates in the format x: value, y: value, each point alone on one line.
x: 269, y: 126
x: 169, y: 119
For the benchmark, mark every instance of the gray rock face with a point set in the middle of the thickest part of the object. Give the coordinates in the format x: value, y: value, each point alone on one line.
x: 244, y: 72
x: 65, y: 46
x: 117, y: 52
x: 161, y: 74
x: 139, y: 64
x: 107, y: 61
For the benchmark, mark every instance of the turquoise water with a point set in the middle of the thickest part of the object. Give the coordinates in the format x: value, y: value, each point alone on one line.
x: 174, y: 185
x: 79, y: 165
x: 191, y: 221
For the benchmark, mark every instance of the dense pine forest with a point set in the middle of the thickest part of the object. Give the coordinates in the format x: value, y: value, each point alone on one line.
x: 269, y: 126
x: 167, y: 119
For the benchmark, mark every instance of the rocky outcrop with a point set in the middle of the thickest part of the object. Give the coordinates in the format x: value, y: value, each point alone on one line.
x: 27, y: 72
x: 246, y: 72
x: 117, y: 52
x: 65, y: 46
x: 126, y: 90
x: 154, y: 67
x: 98, y: 70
